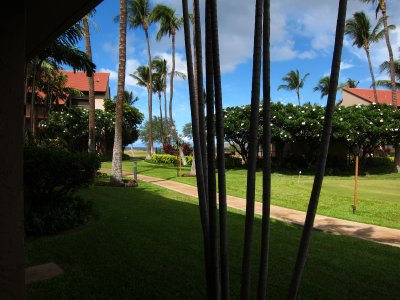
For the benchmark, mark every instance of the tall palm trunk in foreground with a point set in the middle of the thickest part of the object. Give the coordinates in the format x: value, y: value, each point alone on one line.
x: 117, y: 151
x: 252, y: 156
x: 320, y: 168
x: 92, y: 130
x: 266, y: 196
x: 196, y: 120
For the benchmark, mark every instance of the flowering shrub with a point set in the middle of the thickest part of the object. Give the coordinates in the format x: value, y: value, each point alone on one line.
x: 367, y: 126
x: 169, y: 159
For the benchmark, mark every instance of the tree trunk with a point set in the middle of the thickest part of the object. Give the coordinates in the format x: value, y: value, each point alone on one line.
x: 171, y: 89
x: 389, y: 46
x: 150, y: 99
x: 201, y: 188
x: 161, y: 121
x: 193, y: 167
x: 396, y: 168
x: 252, y: 159
x: 166, y: 114
x: 372, y: 74
x: 212, y: 185
x: 323, y: 153
x: 117, y: 151
x: 92, y: 130
x: 298, y: 96
x: 266, y: 165
x: 219, y: 115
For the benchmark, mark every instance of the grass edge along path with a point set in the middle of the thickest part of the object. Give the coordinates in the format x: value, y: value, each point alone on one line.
x: 378, y: 234
x: 378, y: 200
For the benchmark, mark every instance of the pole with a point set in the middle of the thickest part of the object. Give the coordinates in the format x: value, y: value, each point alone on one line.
x: 135, y: 170
x: 355, y: 185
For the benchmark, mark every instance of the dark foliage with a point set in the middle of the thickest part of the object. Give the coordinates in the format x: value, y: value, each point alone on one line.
x: 51, y: 178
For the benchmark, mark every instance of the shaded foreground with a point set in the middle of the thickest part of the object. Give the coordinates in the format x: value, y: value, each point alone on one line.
x: 147, y: 246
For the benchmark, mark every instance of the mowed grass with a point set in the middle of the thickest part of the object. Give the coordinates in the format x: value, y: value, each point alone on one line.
x: 378, y: 197
x: 146, y: 243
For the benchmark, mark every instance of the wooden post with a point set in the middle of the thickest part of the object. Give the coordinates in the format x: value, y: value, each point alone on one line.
x: 355, y: 185
x: 135, y: 170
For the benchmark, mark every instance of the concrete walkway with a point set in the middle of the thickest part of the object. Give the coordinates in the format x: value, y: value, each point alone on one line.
x: 369, y: 232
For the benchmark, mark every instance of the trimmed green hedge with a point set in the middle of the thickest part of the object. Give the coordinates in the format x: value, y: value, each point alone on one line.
x: 169, y: 159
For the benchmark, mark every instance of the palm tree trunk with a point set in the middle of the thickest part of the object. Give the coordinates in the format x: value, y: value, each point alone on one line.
x: 150, y: 99
x: 117, y: 151
x: 298, y: 96
x: 193, y: 168
x: 200, y: 94
x: 219, y: 114
x: 92, y: 130
x: 161, y: 121
x: 171, y: 88
x: 265, y: 227
x: 372, y: 74
x: 201, y: 188
x: 389, y: 46
x: 166, y: 114
x: 212, y: 185
x: 252, y: 159
x: 323, y: 152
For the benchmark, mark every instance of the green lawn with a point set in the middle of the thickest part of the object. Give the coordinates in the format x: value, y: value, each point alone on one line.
x: 378, y: 198
x: 146, y: 244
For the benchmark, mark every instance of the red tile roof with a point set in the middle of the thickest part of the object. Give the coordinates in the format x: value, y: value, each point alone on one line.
x: 384, y: 96
x: 80, y: 82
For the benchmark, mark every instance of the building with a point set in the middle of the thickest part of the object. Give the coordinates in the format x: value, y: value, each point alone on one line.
x: 79, y: 81
x: 355, y: 96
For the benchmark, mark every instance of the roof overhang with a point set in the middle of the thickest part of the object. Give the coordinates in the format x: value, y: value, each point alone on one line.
x: 60, y: 14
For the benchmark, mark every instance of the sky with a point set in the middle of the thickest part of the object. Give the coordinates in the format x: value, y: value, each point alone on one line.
x: 302, y: 37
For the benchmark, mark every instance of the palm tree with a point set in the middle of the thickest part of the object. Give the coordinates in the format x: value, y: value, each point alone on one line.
x: 139, y: 13
x: 323, y: 86
x: 359, y: 28
x: 61, y: 51
x: 142, y: 76
x: 117, y: 151
x: 169, y: 24
x: 293, y: 82
x: 349, y: 83
x: 92, y: 128
x: 323, y: 153
x: 385, y: 67
x: 160, y: 67
x: 381, y: 6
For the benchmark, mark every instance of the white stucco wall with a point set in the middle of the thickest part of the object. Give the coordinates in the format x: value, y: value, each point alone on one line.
x: 350, y: 99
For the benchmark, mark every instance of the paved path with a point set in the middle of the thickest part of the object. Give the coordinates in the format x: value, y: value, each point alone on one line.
x: 369, y: 232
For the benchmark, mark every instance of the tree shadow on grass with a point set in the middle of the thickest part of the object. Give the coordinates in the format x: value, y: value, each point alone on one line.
x: 147, y: 244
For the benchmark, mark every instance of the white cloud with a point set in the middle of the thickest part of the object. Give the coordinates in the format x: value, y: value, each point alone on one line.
x: 113, y: 74
x: 345, y: 65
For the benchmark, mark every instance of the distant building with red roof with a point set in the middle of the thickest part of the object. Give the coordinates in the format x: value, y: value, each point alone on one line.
x: 355, y: 96
x: 79, y: 81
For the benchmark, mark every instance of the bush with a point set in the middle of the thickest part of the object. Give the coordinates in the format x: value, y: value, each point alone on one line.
x: 169, y: 159
x: 378, y: 165
x: 233, y: 162
x: 51, y: 177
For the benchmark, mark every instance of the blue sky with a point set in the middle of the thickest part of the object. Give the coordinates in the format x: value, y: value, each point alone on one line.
x: 302, y: 36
